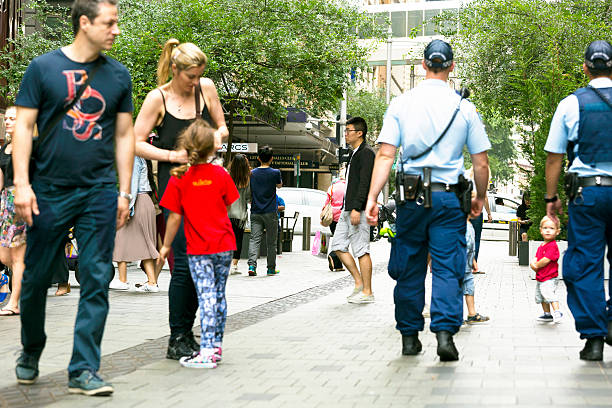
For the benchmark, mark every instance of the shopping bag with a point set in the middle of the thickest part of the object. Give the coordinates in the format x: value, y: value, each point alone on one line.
x: 316, y: 243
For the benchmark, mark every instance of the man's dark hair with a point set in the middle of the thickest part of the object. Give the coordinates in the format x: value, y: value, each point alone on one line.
x: 87, y: 8
x: 600, y: 70
x: 359, y: 123
x: 265, y: 154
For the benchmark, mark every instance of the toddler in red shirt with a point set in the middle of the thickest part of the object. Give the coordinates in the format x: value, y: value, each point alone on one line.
x: 202, y: 192
x: 545, y: 264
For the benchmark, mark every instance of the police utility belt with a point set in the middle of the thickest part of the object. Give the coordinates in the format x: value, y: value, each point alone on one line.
x: 411, y: 187
x: 575, y: 184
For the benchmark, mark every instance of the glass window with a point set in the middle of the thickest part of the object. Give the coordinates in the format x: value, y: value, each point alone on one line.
x: 430, y: 27
x: 415, y: 19
x: 398, y: 23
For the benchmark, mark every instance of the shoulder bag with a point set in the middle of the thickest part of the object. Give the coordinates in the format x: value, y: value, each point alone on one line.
x: 327, y: 214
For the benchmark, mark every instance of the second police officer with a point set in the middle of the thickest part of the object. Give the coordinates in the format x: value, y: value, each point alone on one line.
x: 430, y: 124
x: 582, y: 126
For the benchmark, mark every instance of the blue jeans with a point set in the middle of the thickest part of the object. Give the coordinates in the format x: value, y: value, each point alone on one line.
x: 439, y: 230
x: 93, y: 212
x: 589, y: 231
x: 209, y: 274
x: 477, y: 224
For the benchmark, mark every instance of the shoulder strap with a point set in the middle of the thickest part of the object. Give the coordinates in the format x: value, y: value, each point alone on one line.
x: 603, y: 98
x: 163, y: 98
x: 198, y: 91
x: 442, y: 135
x: 59, y: 115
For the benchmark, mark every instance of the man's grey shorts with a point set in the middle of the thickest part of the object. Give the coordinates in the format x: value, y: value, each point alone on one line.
x: 357, y: 236
x: 546, y: 292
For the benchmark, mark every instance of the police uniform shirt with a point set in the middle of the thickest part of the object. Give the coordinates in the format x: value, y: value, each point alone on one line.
x: 564, y: 128
x: 415, y: 120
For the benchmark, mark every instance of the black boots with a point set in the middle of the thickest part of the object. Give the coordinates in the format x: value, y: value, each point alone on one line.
x: 411, y: 345
x: 608, y: 338
x: 446, y: 347
x: 593, y: 349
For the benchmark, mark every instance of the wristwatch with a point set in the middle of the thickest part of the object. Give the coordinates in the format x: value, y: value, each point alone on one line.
x: 551, y: 200
x: 125, y: 195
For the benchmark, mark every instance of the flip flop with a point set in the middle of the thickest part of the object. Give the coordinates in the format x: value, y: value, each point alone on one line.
x: 8, y: 312
x: 3, y: 281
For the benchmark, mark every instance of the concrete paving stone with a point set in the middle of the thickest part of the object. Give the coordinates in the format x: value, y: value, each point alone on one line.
x: 497, y: 400
x: 257, y: 397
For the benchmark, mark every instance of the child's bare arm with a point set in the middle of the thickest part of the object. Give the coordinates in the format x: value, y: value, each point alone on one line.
x: 172, y: 225
x: 542, y: 262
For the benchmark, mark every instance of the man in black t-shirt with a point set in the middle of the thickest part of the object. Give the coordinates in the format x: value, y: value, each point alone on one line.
x: 73, y: 183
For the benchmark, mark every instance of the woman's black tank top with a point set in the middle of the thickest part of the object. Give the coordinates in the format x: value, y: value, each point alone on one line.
x: 168, y: 132
x: 5, y: 162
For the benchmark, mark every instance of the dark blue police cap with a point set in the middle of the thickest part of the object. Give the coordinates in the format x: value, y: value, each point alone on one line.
x: 438, y: 54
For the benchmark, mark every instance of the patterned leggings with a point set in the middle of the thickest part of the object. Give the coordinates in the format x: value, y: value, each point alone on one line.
x: 209, y: 274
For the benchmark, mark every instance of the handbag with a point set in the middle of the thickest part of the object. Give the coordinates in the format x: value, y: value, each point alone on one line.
x: 56, y: 118
x: 327, y: 214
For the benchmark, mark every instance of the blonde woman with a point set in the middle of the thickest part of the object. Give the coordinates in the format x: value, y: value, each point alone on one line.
x: 168, y: 110
x: 12, y: 230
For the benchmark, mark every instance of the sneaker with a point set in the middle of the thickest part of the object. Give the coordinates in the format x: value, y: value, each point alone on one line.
x: 477, y: 319
x: 182, y: 345
x: 26, y: 369
x: 546, y: 317
x: 557, y: 316
x: 355, y: 291
x: 361, y: 298
x: 272, y: 272
x: 234, y: 270
x: 88, y: 383
x: 147, y: 288
x: 116, y: 284
x: 197, y: 360
x: 252, y: 271
x: 218, y: 354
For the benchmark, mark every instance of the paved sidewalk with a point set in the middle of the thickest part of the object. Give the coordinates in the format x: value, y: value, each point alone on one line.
x: 327, y: 353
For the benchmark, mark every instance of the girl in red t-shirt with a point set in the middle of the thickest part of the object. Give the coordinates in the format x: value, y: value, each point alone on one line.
x: 201, y: 192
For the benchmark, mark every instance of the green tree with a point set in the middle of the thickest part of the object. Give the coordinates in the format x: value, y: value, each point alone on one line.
x: 369, y: 105
x: 54, y: 32
x: 265, y: 55
x: 522, y: 57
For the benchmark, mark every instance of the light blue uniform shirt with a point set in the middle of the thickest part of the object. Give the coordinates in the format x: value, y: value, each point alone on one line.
x: 415, y: 120
x: 564, y: 128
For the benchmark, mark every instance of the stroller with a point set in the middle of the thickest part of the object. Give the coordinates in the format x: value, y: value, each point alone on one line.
x: 72, y: 254
x: 386, y: 220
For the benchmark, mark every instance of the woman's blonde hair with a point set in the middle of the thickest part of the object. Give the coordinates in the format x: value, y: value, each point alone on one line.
x: 198, y: 139
x: 185, y: 56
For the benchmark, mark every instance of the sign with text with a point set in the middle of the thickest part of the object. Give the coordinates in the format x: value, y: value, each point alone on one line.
x: 240, y: 148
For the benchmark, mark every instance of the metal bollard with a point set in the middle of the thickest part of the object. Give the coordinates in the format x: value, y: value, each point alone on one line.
x: 512, y: 238
x: 306, y: 234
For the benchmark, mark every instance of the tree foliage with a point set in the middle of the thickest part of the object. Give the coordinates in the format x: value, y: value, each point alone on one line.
x: 53, y: 33
x: 369, y: 105
x: 521, y: 57
x: 264, y: 55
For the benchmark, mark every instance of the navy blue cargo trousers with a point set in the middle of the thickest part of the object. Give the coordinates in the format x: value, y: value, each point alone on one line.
x: 440, y: 231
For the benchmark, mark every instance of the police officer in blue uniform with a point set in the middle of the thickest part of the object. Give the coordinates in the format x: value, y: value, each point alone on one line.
x: 582, y: 127
x: 430, y: 124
